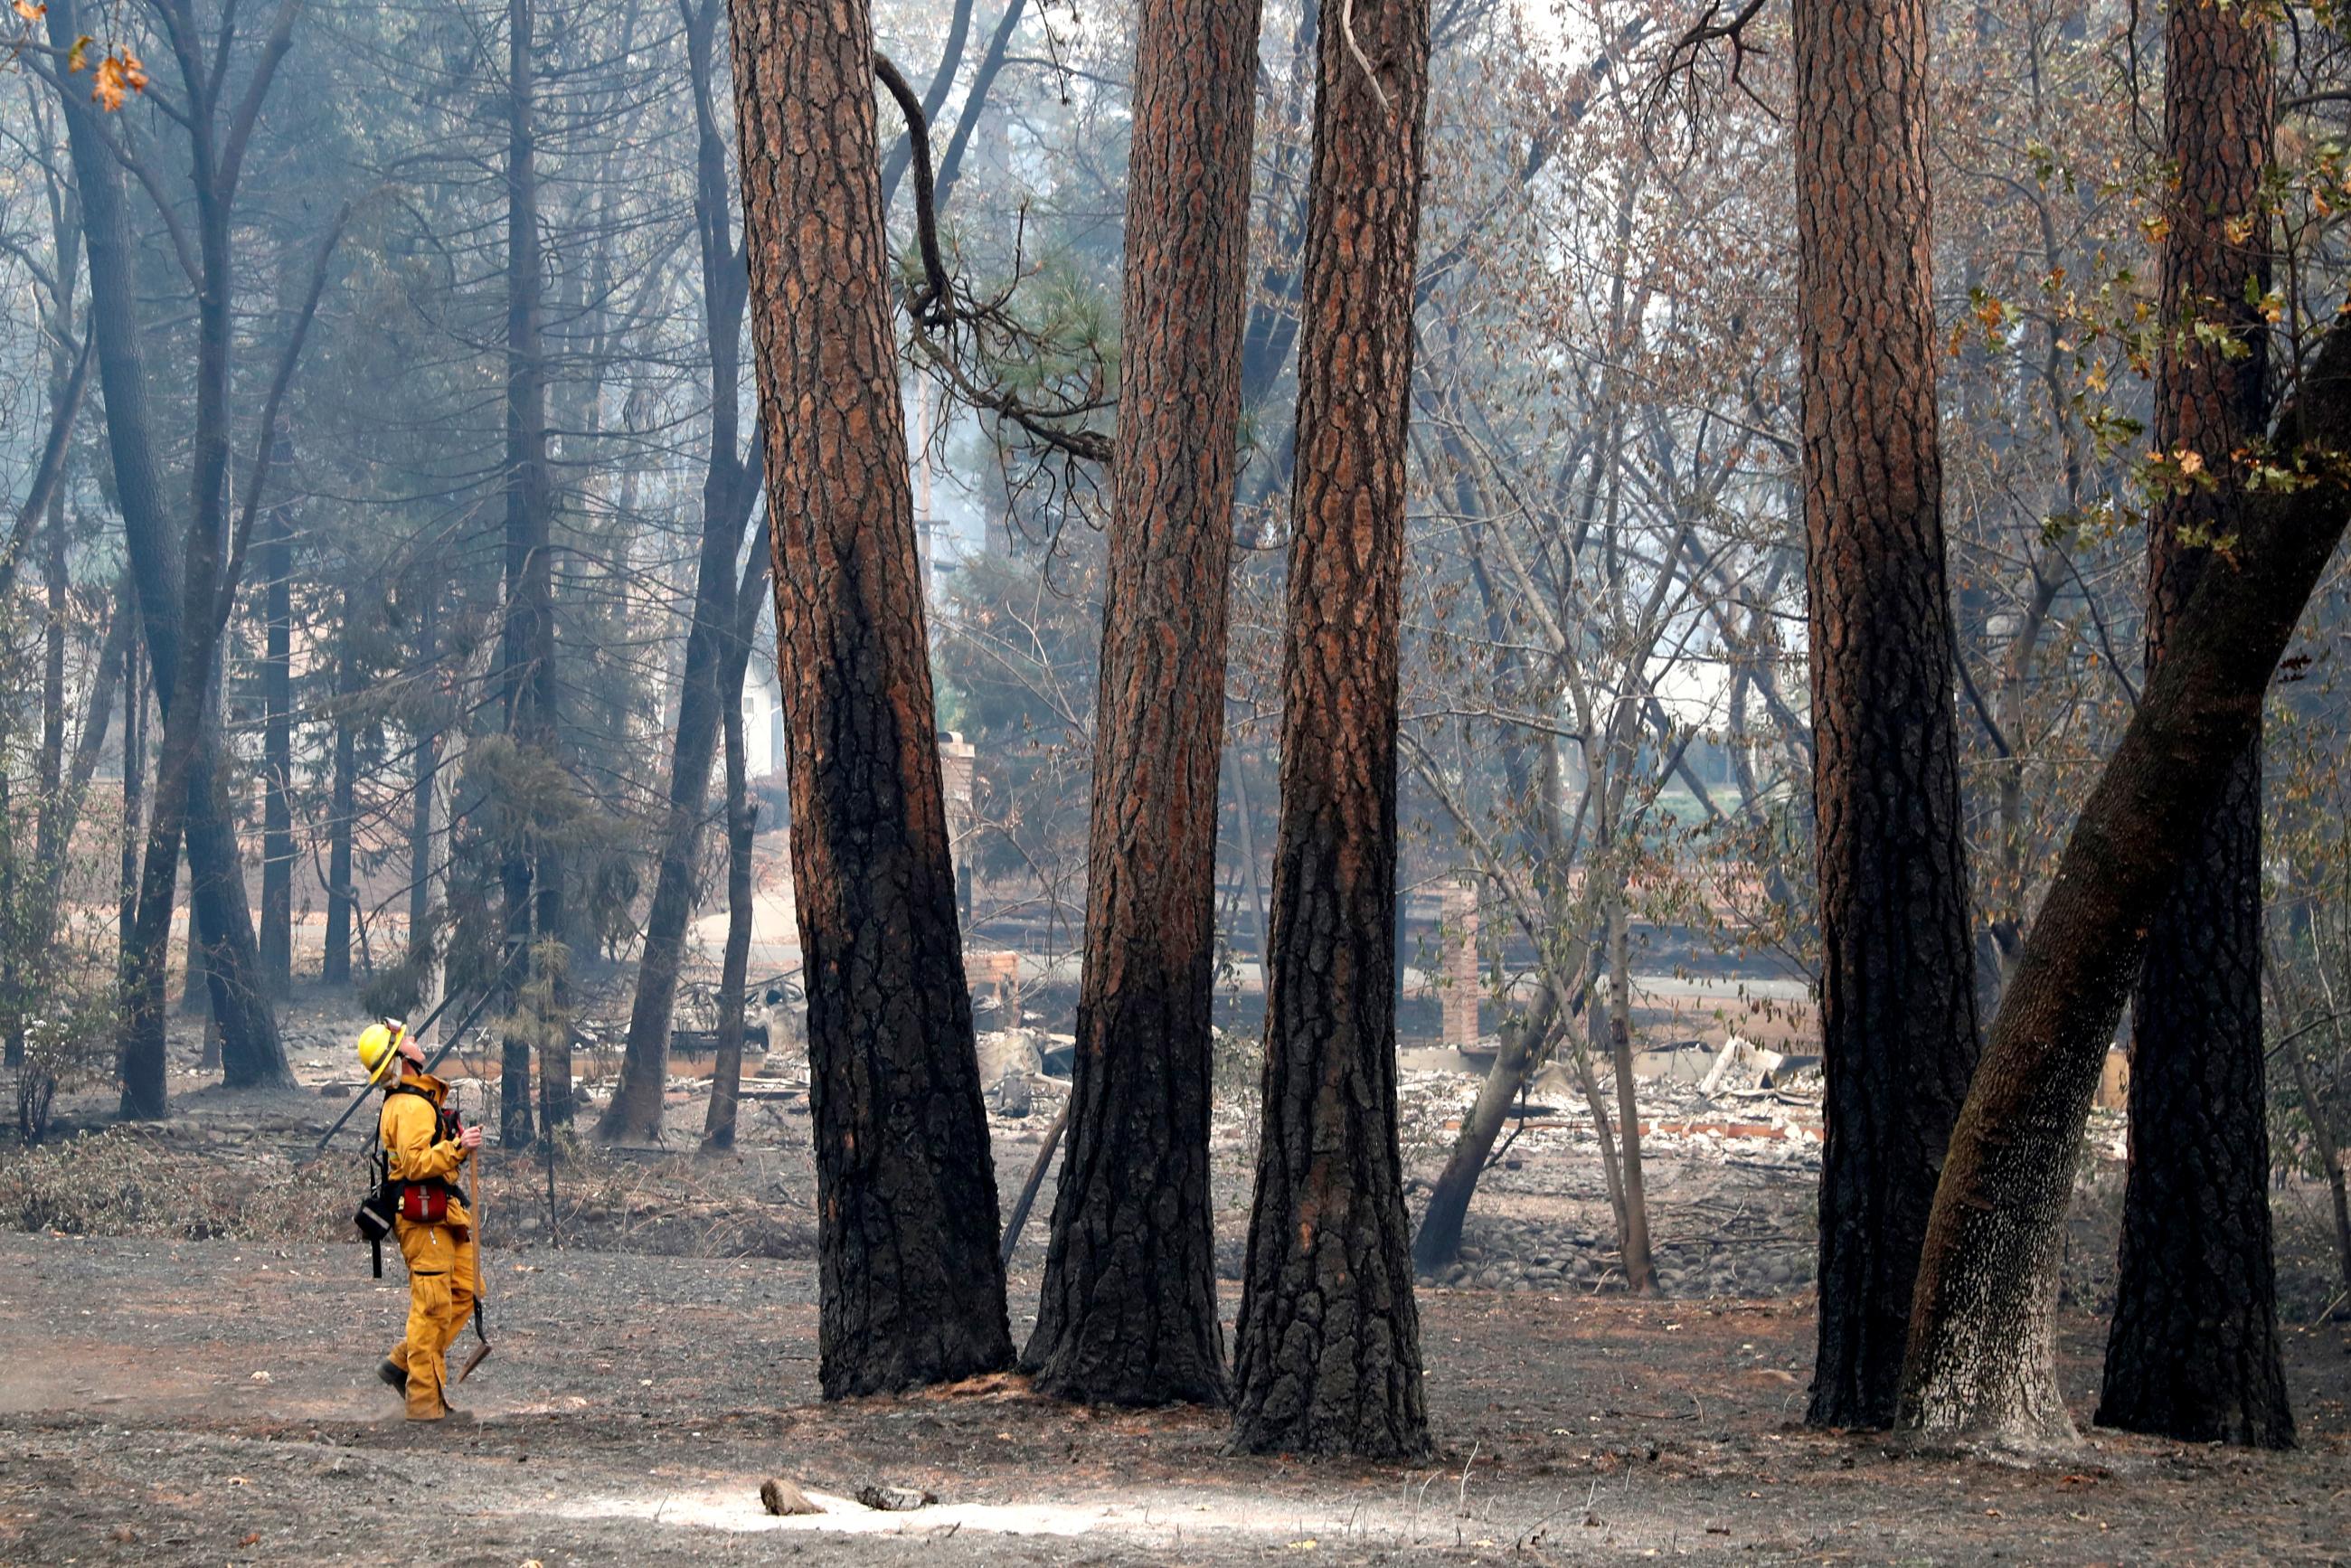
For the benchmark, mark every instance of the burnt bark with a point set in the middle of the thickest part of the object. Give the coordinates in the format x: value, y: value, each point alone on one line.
x: 729, y: 486
x: 1327, y: 1355
x: 134, y: 776
x: 1981, y: 1355
x: 2193, y: 1353
x: 742, y: 822
x: 251, y: 1051
x: 911, y: 1288
x: 1127, y: 1312
x: 1897, y: 990
x: 726, y: 1074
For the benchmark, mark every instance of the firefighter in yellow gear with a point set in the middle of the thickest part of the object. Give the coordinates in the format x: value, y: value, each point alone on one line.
x: 426, y: 1148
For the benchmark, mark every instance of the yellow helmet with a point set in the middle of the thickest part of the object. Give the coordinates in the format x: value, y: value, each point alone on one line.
x: 379, y: 1047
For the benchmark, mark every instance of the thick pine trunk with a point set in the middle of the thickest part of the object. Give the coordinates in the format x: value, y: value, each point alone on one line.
x: 910, y: 1289
x: 1127, y: 1313
x: 277, y: 754
x: 1982, y: 1356
x: 1897, y: 986
x: 1327, y: 1354
x: 2193, y: 1353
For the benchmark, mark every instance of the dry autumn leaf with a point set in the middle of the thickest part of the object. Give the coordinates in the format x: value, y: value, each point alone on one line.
x: 118, y: 75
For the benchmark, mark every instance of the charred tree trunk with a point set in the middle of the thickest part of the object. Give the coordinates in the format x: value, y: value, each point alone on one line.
x: 1327, y: 1354
x: 135, y: 771
x: 1898, y: 985
x: 742, y: 822
x: 912, y: 1291
x: 252, y: 1050
x: 342, y: 804
x: 729, y: 486
x: 1127, y: 1313
x: 529, y: 568
x: 1983, y: 1355
x: 726, y: 1074
x: 2193, y: 1353
x: 277, y: 755
x: 187, y: 732
x: 635, y: 1111
x: 734, y: 965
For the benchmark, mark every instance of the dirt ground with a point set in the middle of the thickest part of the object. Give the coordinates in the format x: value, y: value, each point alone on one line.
x: 187, y: 1351
x: 214, y: 1402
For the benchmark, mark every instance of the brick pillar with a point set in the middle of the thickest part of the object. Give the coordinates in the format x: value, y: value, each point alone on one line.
x: 1457, y: 963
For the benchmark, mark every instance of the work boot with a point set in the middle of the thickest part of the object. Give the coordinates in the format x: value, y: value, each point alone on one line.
x: 392, y: 1376
x: 447, y: 1413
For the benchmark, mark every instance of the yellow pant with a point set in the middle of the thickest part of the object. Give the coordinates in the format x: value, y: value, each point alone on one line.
x: 444, y: 1275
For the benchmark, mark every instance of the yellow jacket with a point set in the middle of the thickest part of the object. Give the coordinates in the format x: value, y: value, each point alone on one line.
x: 411, y: 1128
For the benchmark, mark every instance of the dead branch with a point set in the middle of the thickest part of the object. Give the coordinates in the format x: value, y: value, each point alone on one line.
x: 1683, y: 67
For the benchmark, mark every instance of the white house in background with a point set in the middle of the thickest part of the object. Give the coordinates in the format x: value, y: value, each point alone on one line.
x: 763, y: 723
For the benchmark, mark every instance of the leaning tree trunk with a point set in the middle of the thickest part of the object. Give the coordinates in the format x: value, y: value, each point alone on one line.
x: 1982, y: 1353
x: 1327, y: 1355
x: 635, y: 1111
x: 2193, y: 1353
x: 1438, y: 1240
x: 910, y: 1289
x: 1897, y: 986
x: 1127, y: 1312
